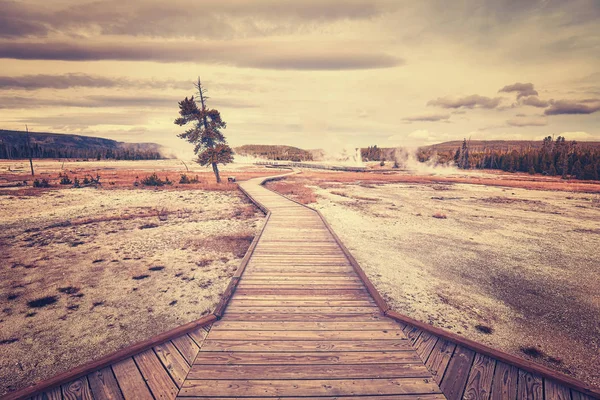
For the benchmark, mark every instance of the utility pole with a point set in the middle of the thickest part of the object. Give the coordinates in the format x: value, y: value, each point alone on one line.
x: 29, y: 150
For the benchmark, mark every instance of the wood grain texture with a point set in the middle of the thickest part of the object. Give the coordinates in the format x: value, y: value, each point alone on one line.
x: 156, y: 376
x: 455, y: 379
x: 504, y: 385
x: 104, y: 385
x: 131, y: 381
x: 530, y: 386
x: 479, y: 383
x: 78, y: 389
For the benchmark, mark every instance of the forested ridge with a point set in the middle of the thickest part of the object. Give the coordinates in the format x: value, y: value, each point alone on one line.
x: 15, y: 145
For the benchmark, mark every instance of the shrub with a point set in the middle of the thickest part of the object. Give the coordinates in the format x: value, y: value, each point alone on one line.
x: 154, y: 180
x: 184, y: 179
x: 41, y: 184
x: 64, y: 179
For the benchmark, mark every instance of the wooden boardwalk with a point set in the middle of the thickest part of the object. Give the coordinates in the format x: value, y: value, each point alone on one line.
x: 304, y: 323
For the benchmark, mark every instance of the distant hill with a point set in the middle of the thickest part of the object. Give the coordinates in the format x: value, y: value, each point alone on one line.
x: 13, y: 144
x: 497, y: 145
x: 274, y: 152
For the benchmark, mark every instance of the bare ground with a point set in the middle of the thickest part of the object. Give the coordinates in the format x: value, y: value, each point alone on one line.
x: 513, y: 268
x: 85, y: 272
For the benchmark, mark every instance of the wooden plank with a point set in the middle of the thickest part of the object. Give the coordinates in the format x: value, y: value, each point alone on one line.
x: 301, y: 310
x: 173, y: 362
x: 104, y: 385
x: 306, y: 335
x: 479, y: 384
x: 576, y: 395
x: 439, y: 358
x: 425, y: 344
x: 351, y: 293
x: 241, y: 302
x: 131, y: 381
x: 199, y: 335
x: 554, y: 391
x: 294, y: 287
x: 455, y: 379
x: 345, y: 371
x: 412, y: 333
x: 78, y: 389
x: 309, y: 387
x: 304, y: 326
x: 303, y: 346
x: 51, y: 394
x: 314, y: 358
x: 504, y: 385
x: 530, y: 386
x: 187, y: 347
x: 362, y: 397
x: 156, y: 376
x: 342, y: 317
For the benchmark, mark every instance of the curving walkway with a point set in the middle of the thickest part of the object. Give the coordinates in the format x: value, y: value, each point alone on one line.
x: 302, y: 324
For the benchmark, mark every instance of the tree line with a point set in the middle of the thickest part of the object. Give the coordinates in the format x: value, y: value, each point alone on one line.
x: 21, y: 150
x: 555, y: 157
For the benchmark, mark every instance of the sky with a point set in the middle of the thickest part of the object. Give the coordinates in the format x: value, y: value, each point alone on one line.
x: 309, y: 73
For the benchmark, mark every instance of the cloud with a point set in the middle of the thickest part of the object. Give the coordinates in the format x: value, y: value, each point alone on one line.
x: 523, y: 120
x: 558, y: 107
x: 184, y: 18
x: 473, y: 101
x: 522, y: 89
x: 428, y: 118
x: 107, y: 101
x: 66, y: 81
x: 246, y: 53
x: 535, y: 102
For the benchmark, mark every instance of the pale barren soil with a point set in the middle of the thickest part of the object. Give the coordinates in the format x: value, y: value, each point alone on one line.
x: 85, y: 272
x: 521, y: 264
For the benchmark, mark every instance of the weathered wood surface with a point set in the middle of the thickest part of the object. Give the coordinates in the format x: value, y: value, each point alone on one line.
x: 302, y: 324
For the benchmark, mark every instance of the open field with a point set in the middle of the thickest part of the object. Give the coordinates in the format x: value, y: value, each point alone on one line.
x: 514, y: 268
x: 85, y: 272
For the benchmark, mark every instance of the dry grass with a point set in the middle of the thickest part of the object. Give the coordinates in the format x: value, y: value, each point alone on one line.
x: 325, y: 179
x: 122, y: 179
x: 295, y: 190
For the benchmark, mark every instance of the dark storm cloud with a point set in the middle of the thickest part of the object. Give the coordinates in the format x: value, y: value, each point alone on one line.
x: 558, y: 107
x: 473, y: 101
x: 522, y: 89
x: 185, y: 18
x: 535, y: 102
x: 427, y: 118
x: 250, y: 54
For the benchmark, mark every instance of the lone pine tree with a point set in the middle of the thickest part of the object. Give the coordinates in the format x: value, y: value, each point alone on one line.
x: 205, y: 134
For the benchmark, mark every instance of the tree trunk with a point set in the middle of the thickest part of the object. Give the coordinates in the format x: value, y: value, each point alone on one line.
x: 216, y: 171
x: 29, y: 150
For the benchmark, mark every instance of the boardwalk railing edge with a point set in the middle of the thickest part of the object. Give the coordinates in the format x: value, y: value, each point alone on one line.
x: 109, y: 359
x: 526, y: 365
x: 136, y: 348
